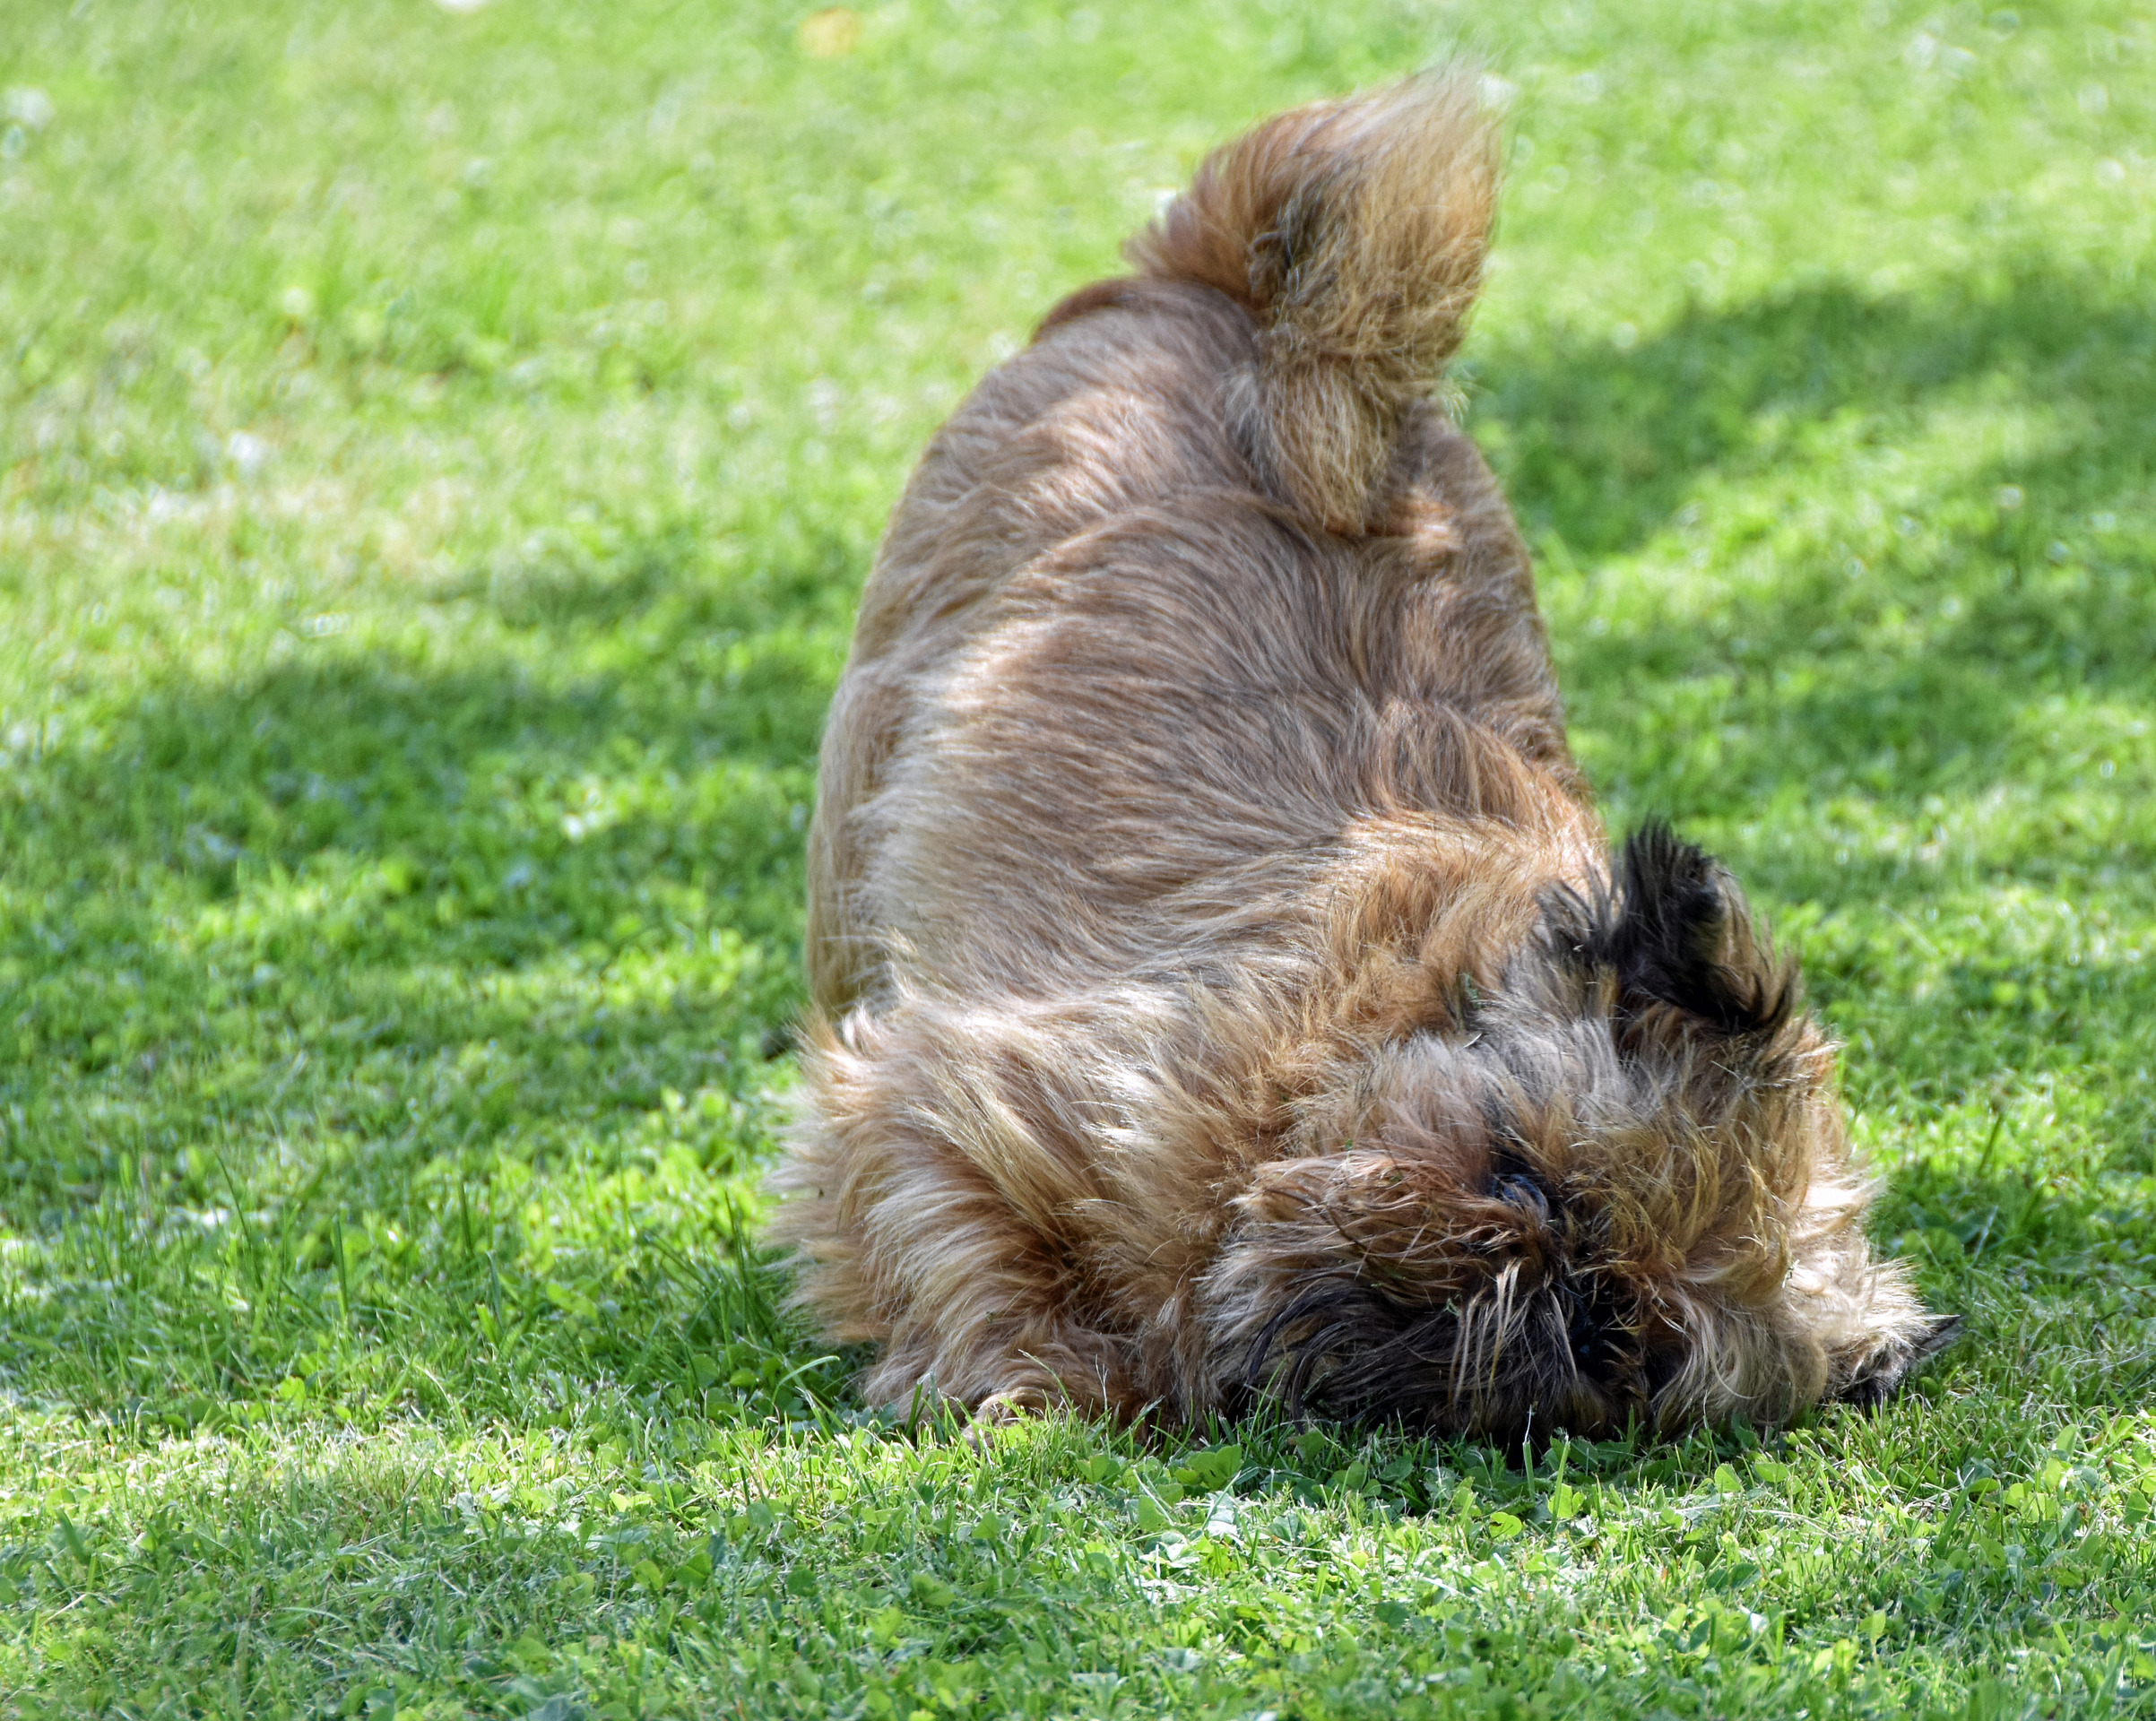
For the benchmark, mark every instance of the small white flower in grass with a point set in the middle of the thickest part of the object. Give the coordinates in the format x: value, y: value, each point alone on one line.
x: 28, y: 107
x: 247, y: 451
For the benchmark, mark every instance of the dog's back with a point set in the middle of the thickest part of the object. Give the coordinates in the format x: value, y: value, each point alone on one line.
x: 1195, y: 583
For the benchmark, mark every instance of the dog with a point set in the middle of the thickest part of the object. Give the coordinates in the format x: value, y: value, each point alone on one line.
x: 1222, y: 986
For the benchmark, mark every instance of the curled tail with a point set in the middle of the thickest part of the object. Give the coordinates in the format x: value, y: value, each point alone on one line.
x: 1355, y: 232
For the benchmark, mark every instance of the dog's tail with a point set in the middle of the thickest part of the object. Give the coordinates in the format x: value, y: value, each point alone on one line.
x: 1355, y: 233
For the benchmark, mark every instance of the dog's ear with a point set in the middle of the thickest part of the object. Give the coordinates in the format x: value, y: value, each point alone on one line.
x: 1675, y: 930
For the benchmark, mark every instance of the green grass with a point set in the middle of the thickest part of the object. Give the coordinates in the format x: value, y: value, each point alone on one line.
x: 439, y: 454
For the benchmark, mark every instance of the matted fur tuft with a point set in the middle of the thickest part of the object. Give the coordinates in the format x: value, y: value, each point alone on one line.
x: 1224, y: 985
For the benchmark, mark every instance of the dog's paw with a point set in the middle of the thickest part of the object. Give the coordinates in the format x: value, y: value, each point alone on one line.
x: 1881, y: 1377
x: 1000, y: 1411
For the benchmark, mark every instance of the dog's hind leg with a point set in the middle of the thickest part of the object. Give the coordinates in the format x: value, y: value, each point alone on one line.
x: 932, y: 1197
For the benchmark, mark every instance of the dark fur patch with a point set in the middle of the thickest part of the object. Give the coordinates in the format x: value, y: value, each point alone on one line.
x: 1882, y: 1381
x: 1674, y: 931
x: 1350, y: 1352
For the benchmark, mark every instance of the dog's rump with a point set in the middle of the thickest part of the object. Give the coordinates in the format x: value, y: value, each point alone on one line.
x: 1160, y: 712
x: 1101, y: 672
x: 1260, y: 381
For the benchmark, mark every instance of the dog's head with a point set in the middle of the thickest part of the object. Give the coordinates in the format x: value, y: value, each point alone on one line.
x: 1617, y: 1191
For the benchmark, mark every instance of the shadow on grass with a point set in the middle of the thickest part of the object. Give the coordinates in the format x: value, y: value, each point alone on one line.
x: 318, y: 980
x: 1602, y: 446
x: 568, y: 864
x: 1916, y: 664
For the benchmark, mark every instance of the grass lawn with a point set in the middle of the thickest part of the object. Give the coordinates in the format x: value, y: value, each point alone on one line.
x: 439, y: 450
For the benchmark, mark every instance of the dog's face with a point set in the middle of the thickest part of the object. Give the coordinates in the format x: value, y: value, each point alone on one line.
x: 1610, y: 1200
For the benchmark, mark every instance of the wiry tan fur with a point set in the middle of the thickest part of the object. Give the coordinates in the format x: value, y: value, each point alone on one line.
x: 1222, y: 981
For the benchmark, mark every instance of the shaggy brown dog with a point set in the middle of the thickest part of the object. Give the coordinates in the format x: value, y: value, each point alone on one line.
x: 1222, y: 981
